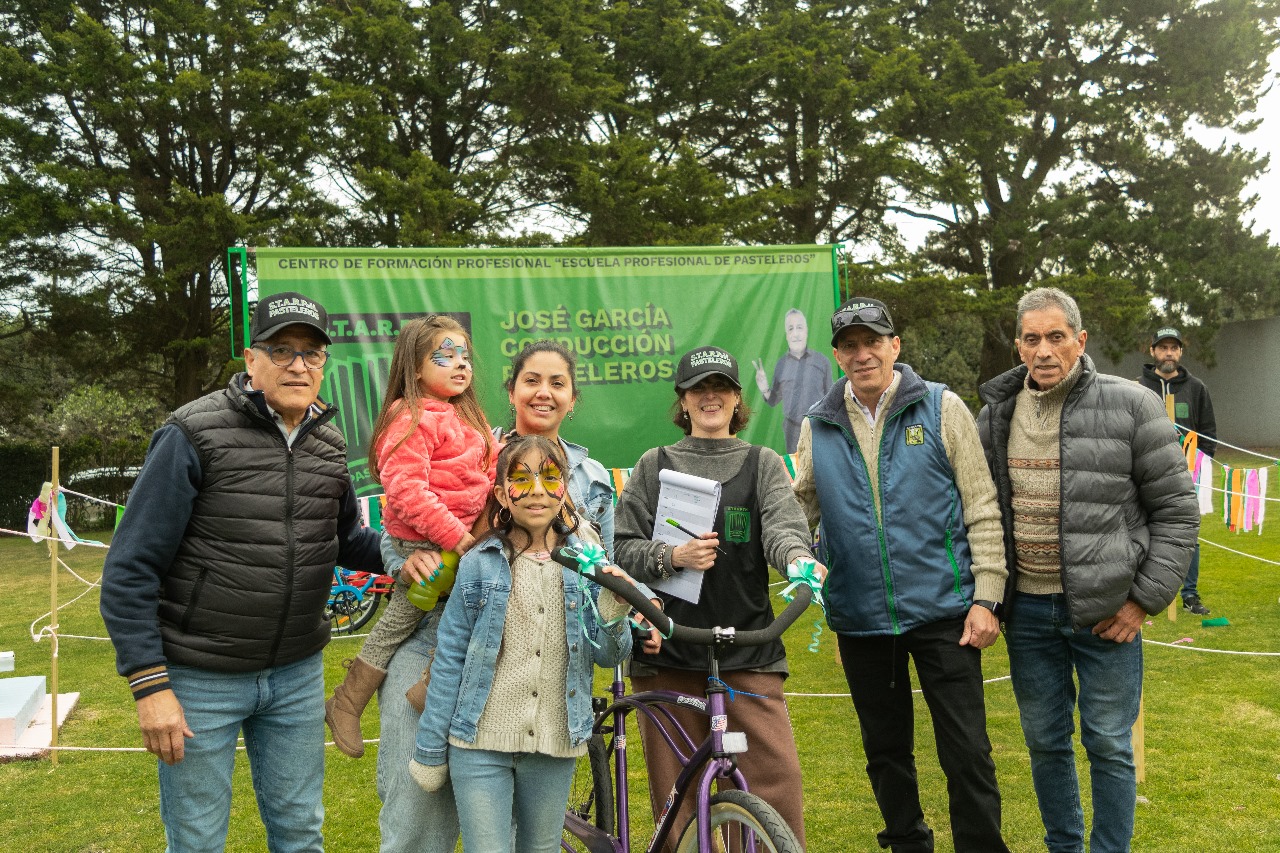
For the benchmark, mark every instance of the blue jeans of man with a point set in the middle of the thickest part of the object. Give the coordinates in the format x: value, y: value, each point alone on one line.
x: 411, y: 820
x: 1190, y: 586
x: 281, y: 711
x: 951, y: 680
x: 1044, y: 654
x: 492, y: 788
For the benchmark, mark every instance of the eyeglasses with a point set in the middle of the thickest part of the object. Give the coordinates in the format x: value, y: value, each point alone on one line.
x: 314, y: 359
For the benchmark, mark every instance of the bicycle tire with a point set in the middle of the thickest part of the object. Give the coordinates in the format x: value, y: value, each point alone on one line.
x: 591, y: 794
x: 734, y: 814
x: 348, y: 611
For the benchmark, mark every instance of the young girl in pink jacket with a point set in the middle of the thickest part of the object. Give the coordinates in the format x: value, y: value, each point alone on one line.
x: 432, y: 452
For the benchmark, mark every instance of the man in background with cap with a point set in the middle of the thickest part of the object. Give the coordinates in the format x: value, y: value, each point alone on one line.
x: 214, y: 587
x: 1193, y: 411
x: 891, y: 470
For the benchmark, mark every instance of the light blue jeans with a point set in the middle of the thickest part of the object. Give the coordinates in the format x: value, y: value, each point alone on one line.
x: 411, y: 820
x: 493, y: 787
x: 1043, y: 653
x: 281, y: 711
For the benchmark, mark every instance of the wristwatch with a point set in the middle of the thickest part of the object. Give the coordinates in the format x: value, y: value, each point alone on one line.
x: 993, y: 606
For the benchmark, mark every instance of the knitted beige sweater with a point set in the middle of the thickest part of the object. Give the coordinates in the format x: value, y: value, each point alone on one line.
x: 1035, y: 473
x: 526, y: 711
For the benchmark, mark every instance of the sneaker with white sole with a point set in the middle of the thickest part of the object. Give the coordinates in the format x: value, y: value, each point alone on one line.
x: 1192, y: 604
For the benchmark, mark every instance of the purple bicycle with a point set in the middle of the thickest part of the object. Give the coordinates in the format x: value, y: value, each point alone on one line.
x: 598, y: 817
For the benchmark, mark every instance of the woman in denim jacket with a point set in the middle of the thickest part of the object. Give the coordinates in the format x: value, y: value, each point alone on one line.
x: 509, y: 704
x: 543, y: 393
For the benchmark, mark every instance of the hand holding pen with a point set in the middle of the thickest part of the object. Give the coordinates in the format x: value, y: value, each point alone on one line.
x: 699, y: 553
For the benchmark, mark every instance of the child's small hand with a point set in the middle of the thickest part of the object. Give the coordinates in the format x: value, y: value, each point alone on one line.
x: 615, y: 570
x: 421, y: 566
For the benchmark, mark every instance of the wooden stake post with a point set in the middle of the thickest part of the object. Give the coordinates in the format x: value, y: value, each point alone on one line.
x: 52, y: 541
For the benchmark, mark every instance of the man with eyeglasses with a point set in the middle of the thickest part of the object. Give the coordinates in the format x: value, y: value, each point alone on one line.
x: 214, y: 588
x: 891, y: 471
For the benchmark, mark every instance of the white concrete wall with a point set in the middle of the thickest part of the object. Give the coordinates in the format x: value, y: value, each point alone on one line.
x: 1244, y: 385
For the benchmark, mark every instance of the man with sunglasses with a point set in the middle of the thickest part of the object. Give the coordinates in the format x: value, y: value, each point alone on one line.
x: 891, y: 470
x: 214, y: 588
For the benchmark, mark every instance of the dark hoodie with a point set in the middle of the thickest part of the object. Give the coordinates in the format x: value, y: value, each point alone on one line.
x: 1192, y: 407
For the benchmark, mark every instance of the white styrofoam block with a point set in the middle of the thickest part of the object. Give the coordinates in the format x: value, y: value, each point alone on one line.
x: 19, y: 700
x: 6, y: 661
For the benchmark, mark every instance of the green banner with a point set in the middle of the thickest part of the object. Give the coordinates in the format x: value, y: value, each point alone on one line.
x: 628, y: 314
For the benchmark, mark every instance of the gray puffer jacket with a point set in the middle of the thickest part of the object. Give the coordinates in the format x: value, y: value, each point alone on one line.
x: 1129, y: 517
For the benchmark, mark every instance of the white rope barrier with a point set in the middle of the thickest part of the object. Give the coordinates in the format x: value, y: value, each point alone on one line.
x: 1222, y: 443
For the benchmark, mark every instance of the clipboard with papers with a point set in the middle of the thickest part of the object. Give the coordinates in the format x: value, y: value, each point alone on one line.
x: 692, y: 502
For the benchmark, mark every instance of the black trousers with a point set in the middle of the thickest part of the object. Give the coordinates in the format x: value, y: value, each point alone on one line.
x: 951, y: 678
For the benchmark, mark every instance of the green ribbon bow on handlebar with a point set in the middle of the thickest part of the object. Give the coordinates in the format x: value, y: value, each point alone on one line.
x: 804, y: 573
x: 590, y: 556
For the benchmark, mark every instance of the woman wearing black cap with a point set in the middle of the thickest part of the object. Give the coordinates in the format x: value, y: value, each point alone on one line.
x: 758, y: 524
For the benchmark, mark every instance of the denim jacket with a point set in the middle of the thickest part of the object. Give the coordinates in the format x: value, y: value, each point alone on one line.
x: 470, y: 637
x: 592, y: 491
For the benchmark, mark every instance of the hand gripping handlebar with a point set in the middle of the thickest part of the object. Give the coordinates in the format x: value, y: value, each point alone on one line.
x: 569, y: 558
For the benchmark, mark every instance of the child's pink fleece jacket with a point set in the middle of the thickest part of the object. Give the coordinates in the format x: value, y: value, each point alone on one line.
x: 437, y: 482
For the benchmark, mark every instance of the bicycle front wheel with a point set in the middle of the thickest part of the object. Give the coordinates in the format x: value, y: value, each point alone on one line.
x: 741, y: 822
x: 591, y: 796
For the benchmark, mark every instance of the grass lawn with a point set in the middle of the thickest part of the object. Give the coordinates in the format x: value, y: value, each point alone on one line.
x: 1212, y: 730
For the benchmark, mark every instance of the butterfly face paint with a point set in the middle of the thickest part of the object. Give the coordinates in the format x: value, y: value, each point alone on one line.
x: 448, y: 351
x: 521, y: 481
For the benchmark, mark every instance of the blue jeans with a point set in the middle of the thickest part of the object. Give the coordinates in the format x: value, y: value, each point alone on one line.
x: 1189, y: 585
x: 493, y: 787
x: 281, y: 711
x: 1043, y: 652
x: 411, y: 820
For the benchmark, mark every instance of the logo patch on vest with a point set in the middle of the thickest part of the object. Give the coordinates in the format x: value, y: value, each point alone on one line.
x: 737, y: 523
x: 915, y: 434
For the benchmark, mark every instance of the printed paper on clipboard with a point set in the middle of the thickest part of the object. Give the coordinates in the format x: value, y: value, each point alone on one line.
x: 692, y: 501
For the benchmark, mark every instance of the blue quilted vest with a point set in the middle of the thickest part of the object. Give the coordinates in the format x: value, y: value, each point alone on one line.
x: 916, y: 568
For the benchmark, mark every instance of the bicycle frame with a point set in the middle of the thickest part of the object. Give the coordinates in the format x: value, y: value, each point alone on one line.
x: 702, y: 763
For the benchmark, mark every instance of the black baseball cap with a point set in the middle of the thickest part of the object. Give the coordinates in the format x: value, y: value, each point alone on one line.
x: 862, y: 311
x: 278, y: 310
x: 1166, y: 332
x: 697, y: 364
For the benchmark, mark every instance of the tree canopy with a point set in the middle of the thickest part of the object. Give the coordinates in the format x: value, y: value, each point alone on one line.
x: 1049, y: 142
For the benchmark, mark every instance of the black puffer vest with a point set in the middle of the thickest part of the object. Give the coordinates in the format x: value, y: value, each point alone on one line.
x: 247, y: 587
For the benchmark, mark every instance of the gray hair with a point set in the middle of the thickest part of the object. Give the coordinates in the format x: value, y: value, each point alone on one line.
x: 1045, y: 298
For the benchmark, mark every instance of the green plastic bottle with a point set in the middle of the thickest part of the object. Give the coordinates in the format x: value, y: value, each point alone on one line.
x: 426, y: 596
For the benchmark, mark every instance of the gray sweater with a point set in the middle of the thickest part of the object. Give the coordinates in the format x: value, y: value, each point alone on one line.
x: 785, y: 530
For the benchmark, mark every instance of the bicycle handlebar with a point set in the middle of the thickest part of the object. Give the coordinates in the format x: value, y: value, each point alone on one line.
x: 568, y: 557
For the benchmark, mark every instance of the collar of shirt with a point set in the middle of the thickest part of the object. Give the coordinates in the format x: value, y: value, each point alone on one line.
x: 866, y: 412
x: 289, y: 434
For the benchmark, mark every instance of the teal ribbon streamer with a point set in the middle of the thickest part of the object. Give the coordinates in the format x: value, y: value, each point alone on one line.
x: 803, y: 572
x: 589, y: 557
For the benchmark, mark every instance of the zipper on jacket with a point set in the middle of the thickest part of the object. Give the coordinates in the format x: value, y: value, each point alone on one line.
x: 290, y: 550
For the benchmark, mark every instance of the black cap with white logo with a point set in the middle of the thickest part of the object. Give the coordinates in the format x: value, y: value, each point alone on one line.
x: 278, y: 310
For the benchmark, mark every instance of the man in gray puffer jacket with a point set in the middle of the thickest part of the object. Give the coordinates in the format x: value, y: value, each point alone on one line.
x: 1100, y: 521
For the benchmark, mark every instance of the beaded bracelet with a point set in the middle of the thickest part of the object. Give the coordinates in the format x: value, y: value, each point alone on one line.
x: 662, y: 569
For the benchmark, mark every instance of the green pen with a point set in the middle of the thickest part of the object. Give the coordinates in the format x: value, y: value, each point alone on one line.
x: 678, y: 526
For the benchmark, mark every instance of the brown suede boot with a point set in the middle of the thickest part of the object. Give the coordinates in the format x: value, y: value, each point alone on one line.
x: 417, y: 694
x: 343, y: 711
